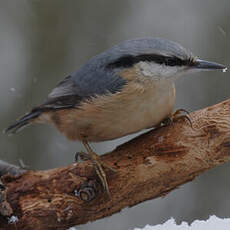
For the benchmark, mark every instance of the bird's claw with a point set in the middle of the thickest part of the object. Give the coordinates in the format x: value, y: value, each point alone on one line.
x: 178, y: 115
x: 98, y: 166
x: 81, y: 156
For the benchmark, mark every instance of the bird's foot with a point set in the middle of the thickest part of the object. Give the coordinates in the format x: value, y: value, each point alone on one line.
x: 180, y: 114
x: 98, y: 166
x: 82, y: 156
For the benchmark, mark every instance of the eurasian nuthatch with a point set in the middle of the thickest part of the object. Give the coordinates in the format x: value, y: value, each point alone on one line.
x: 123, y: 90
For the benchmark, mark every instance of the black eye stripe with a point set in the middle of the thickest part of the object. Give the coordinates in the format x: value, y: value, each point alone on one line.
x: 130, y: 60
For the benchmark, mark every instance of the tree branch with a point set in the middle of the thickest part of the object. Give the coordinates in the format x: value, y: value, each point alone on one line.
x: 6, y: 168
x: 148, y: 166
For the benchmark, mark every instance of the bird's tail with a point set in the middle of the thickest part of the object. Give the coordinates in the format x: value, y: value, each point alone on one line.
x: 23, y: 122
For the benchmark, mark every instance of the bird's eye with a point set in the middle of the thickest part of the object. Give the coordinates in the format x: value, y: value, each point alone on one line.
x: 173, y: 61
x: 170, y: 62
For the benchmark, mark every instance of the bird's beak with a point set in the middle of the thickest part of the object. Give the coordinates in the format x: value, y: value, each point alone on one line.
x: 207, y: 65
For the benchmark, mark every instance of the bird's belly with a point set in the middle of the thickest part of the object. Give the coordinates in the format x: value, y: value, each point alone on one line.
x: 114, y: 116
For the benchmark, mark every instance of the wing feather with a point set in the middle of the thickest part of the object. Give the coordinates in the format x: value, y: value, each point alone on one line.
x: 83, y: 85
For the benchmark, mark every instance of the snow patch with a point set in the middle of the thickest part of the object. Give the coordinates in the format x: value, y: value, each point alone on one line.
x: 213, y: 223
x: 12, y: 220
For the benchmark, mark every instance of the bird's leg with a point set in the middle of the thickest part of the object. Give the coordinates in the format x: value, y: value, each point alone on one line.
x: 98, y: 165
x: 178, y: 115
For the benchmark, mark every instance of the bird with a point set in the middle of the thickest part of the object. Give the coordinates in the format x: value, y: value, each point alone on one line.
x: 123, y: 90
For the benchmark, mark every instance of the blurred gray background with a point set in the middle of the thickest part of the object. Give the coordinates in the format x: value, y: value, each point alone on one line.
x: 41, y: 42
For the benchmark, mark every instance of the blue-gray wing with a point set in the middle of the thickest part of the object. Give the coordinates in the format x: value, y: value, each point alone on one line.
x: 89, y: 81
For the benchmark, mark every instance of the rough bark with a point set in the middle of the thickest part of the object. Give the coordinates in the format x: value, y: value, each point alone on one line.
x: 148, y: 166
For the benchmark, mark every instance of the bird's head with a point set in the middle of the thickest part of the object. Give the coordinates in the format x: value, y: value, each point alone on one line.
x: 156, y: 57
